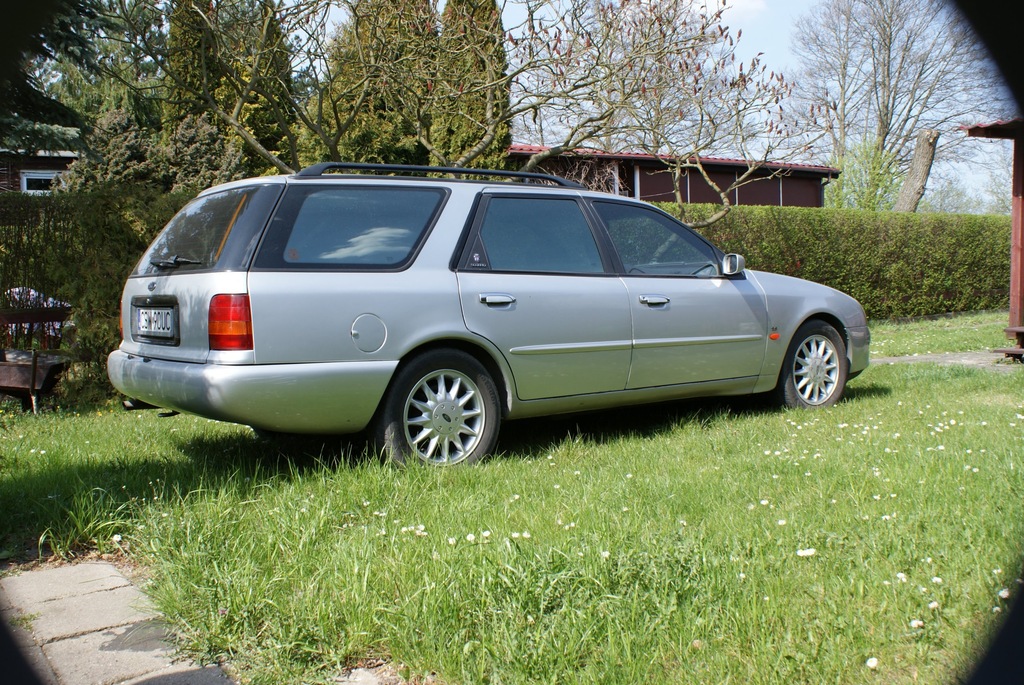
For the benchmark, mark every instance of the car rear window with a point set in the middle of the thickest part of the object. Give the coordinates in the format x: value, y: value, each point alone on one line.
x: 215, y: 231
x: 348, y: 227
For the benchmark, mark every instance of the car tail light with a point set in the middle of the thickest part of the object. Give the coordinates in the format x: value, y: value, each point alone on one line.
x: 230, y: 323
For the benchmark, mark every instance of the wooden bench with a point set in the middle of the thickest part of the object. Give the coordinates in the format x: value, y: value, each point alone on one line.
x: 1015, y: 353
x: 29, y: 369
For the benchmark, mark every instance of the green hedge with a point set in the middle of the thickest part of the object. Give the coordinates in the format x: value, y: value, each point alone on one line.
x: 896, y: 264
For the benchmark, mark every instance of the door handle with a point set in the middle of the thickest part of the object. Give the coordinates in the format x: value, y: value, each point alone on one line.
x: 497, y: 299
x: 654, y: 300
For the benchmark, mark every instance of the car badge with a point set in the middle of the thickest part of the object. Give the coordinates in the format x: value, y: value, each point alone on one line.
x: 152, y: 286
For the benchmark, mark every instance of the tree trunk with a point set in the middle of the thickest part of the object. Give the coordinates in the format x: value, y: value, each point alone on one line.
x: 920, y: 166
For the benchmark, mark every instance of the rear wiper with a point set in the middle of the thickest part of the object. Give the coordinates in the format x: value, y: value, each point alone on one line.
x: 173, y: 262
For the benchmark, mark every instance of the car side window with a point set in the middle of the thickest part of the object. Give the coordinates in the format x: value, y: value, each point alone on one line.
x: 530, y: 234
x: 649, y: 242
x: 329, y: 227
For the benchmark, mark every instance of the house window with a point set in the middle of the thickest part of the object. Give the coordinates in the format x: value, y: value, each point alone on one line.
x: 38, y: 182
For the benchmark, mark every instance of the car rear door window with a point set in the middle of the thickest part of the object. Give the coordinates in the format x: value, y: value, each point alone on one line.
x: 356, y: 227
x: 530, y: 234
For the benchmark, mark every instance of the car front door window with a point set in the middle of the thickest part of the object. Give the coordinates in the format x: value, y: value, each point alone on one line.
x: 690, y: 324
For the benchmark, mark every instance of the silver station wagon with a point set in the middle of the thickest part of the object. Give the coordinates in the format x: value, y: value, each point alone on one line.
x: 426, y: 309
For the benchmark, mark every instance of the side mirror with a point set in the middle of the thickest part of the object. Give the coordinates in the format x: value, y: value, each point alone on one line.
x: 733, y: 264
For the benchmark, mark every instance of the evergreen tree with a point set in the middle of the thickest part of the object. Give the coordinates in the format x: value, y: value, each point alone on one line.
x: 470, y: 113
x: 193, y: 74
x: 124, y: 80
x: 31, y: 120
x: 195, y: 157
x: 267, y: 112
x: 191, y: 157
x: 372, y: 126
x: 230, y: 58
x: 121, y: 153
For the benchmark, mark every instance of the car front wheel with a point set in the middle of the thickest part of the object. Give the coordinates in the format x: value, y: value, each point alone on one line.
x: 815, y: 368
x: 442, y: 408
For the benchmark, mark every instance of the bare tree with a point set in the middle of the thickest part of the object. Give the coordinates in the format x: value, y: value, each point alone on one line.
x: 878, y: 72
x: 685, y: 96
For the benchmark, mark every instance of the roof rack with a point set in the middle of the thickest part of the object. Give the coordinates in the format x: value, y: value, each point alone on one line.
x: 526, y: 176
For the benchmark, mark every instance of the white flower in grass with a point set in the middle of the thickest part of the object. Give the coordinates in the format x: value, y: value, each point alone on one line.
x: 937, y: 580
x: 470, y: 538
x: 871, y: 663
x: 117, y: 538
x: 902, y: 577
x: 452, y: 541
x: 782, y: 522
x: 917, y: 623
x: 1004, y: 593
x: 809, y: 552
x: 526, y: 534
x: 933, y: 606
x: 605, y: 554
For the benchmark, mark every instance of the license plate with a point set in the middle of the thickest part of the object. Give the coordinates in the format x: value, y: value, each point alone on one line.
x: 155, y: 322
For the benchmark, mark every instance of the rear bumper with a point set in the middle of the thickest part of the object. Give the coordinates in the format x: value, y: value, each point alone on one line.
x: 333, y: 397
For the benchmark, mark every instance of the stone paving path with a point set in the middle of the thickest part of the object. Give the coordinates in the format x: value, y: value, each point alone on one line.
x: 87, y: 624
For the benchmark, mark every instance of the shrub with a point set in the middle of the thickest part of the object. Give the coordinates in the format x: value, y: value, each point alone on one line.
x: 80, y: 248
x: 895, y: 264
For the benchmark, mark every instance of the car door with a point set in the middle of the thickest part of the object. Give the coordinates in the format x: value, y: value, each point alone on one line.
x: 690, y: 323
x: 534, y: 281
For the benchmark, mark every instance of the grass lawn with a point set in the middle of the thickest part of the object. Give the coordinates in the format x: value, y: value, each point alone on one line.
x: 876, y: 541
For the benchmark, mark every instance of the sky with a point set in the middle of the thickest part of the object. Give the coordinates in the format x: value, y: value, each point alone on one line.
x: 767, y: 27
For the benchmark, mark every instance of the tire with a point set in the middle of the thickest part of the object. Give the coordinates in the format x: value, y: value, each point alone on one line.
x: 441, y: 408
x: 815, y: 369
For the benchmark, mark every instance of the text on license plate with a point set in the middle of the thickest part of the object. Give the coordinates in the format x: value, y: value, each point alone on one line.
x: 155, y: 321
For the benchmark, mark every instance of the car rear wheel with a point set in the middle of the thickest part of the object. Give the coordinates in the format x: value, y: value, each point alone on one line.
x: 442, y: 408
x: 815, y: 368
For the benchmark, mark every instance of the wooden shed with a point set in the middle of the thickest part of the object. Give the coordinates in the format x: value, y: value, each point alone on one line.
x: 1012, y: 130
x: 646, y: 177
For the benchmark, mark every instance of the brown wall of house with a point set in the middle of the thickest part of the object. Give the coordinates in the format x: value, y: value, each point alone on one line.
x: 790, y: 191
x: 11, y: 167
x: 803, y: 192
